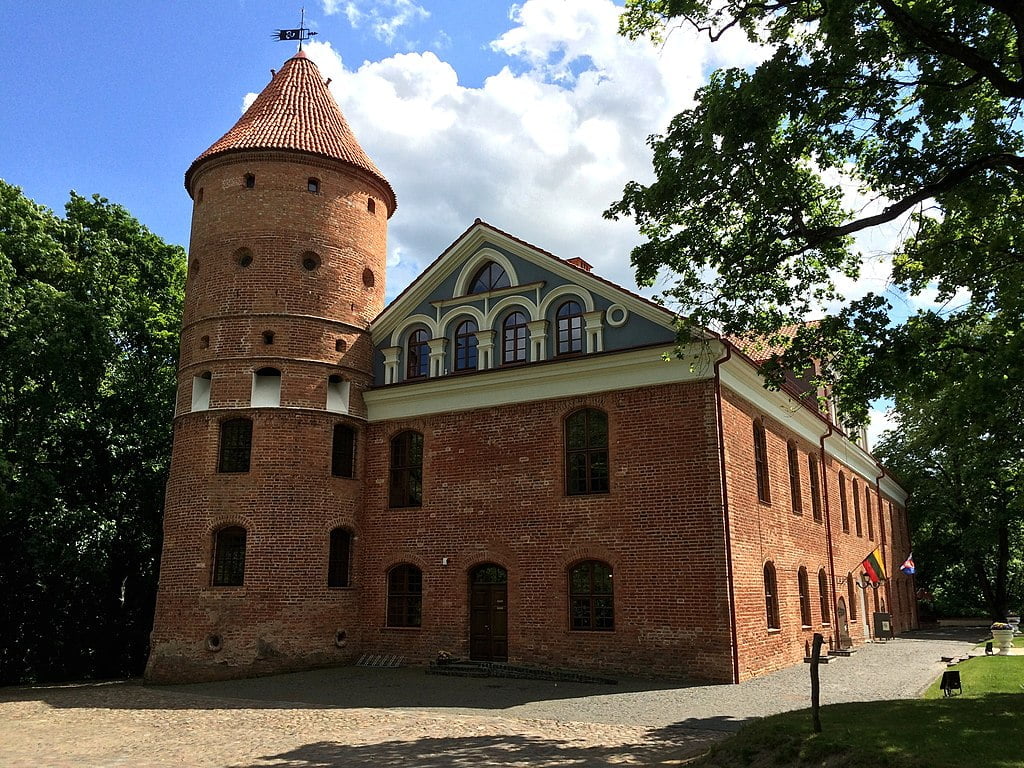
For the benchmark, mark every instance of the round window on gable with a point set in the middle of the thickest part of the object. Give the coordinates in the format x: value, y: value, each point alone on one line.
x: 243, y: 257
x: 310, y: 261
x: 250, y: 181
x: 313, y: 185
x: 368, y: 279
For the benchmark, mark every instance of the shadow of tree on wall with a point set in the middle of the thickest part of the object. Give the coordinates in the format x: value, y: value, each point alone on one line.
x: 489, y: 750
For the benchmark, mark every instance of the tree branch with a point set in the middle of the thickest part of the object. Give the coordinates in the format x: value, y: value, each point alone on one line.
x: 914, y: 29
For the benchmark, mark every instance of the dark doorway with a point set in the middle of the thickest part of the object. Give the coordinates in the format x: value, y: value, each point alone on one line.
x: 488, y: 613
x: 843, y: 624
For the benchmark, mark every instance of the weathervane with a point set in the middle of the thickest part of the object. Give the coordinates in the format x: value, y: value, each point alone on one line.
x: 301, y: 34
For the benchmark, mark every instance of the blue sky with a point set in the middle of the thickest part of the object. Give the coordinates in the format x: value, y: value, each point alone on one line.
x: 530, y: 116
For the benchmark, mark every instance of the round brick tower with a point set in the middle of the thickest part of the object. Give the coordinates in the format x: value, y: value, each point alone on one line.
x: 286, y: 270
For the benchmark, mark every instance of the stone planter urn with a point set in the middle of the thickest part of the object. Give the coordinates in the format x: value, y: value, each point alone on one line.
x: 1002, y: 637
x: 1014, y: 621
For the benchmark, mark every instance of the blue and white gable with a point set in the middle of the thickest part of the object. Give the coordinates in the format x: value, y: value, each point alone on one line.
x: 492, y: 301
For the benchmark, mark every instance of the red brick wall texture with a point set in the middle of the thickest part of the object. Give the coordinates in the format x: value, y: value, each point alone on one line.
x: 493, y: 487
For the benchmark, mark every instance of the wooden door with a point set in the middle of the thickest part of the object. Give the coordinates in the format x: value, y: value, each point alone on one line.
x: 843, y: 624
x: 488, y: 613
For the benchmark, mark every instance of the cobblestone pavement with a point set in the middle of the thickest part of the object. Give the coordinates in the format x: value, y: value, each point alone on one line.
x: 354, y: 716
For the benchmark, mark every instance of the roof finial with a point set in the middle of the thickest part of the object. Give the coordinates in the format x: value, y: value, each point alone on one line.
x: 301, y: 34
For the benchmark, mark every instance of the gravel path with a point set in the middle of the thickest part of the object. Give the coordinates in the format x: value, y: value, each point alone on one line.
x: 379, y: 717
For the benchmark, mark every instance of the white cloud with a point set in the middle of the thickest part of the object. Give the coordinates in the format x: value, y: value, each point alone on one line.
x: 540, y: 149
x: 881, y: 419
x: 384, y: 18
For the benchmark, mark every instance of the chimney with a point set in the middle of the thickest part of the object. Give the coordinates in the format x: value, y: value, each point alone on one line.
x: 579, y: 263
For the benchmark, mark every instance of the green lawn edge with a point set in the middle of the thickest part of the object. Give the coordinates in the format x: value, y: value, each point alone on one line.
x: 982, y: 727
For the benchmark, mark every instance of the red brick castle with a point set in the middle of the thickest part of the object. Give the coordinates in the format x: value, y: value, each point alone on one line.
x: 499, y: 464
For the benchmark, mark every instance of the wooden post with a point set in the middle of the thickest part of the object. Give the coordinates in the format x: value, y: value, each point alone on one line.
x: 815, y: 651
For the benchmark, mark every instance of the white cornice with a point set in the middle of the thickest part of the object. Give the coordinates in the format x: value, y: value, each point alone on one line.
x: 743, y: 378
x: 543, y: 381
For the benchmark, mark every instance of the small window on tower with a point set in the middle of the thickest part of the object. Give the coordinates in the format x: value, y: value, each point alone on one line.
x: 368, y: 279
x: 371, y: 205
x: 243, y: 257
x: 340, y: 345
x: 199, y: 195
x: 250, y: 181
x: 310, y: 261
x: 268, y: 337
x: 313, y: 185
x: 204, y: 342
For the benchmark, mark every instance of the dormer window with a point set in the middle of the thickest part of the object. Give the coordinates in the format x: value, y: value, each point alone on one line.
x: 489, y: 277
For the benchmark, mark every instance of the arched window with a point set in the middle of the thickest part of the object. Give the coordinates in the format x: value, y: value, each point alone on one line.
x: 856, y: 507
x: 869, y: 512
x: 805, y: 597
x: 406, y: 488
x: 339, y: 558
x: 229, y: 557
x: 844, y: 509
x: 761, y: 462
x: 235, y: 445
x: 513, y: 338
x: 823, y: 596
x: 489, y: 277
x: 570, y: 328
x: 343, y: 451
x: 405, y: 596
x: 266, y: 388
x: 586, y: 452
x: 590, y: 597
x: 771, y: 596
x: 418, y: 355
x: 465, y: 346
x: 851, y: 593
x: 794, y: 478
x: 815, y: 481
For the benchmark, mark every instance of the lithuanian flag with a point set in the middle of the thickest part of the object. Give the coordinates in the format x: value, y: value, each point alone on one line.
x: 873, y: 566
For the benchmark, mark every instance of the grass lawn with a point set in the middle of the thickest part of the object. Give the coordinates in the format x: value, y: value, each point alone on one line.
x: 983, y: 728
x: 1018, y: 642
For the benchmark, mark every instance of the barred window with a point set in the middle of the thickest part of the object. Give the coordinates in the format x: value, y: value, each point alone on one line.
x: 343, y: 451
x: 406, y: 487
x: 761, y: 463
x: 586, y: 452
x: 771, y: 596
x: 229, y: 557
x: 805, y: 597
x: 235, y: 445
x: 590, y: 597
x: 794, y: 477
x: 339, y: 558
x: 405, y: 596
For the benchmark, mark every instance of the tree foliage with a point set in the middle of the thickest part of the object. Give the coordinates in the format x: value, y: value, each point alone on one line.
x: 959, y: 450
x: 917, y: 103
x: 90, y: 309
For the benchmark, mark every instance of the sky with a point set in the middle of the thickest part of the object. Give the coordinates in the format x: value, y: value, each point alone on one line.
x: 531, y: 116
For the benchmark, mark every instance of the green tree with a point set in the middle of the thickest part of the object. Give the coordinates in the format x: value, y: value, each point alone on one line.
x: 918, y: 104
x: 90, y: 310
x: 959, y: 450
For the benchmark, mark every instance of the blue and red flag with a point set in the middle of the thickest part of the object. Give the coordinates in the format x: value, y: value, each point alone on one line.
x: 908, y: 565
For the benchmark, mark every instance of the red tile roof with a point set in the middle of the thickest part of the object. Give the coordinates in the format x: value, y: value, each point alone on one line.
x: 761, y: 349
x: 295, y: 112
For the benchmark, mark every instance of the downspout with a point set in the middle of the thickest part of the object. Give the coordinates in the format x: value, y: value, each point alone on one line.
x: 725, y: 512
x: 828, y: 536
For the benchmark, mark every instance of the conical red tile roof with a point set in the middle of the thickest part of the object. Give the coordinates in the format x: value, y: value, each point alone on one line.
x: 295, y: 112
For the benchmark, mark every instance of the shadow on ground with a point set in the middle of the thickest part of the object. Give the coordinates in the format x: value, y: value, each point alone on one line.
x: 961, y: 634
x: 659, y: 746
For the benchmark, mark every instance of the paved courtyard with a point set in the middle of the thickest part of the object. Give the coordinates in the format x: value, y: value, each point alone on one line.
x: 353, y: 716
